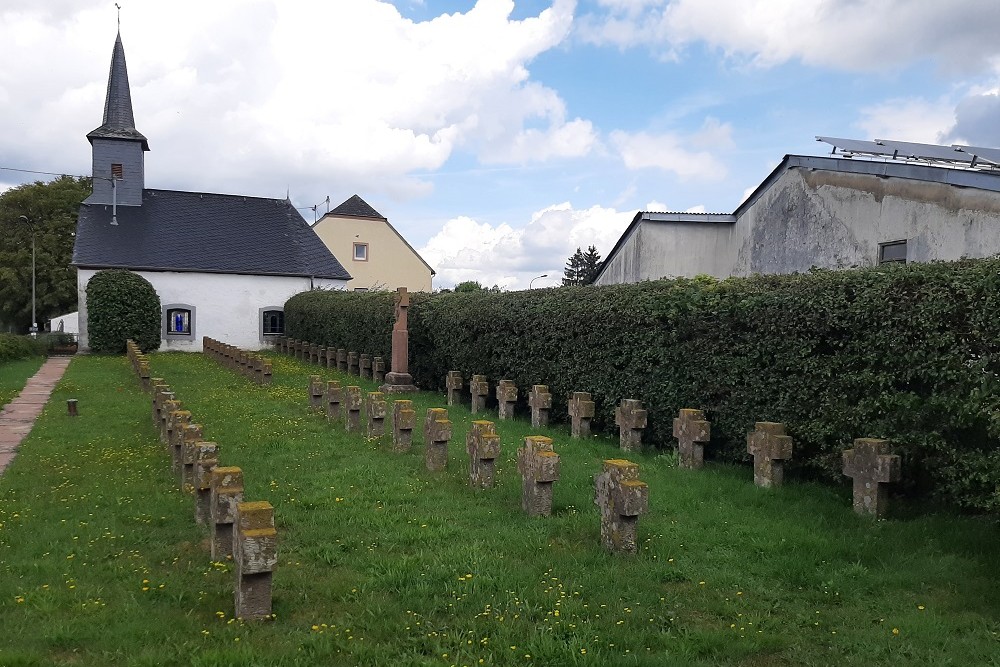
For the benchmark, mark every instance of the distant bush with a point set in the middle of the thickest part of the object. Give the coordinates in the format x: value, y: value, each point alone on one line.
x: 19, y: 347
x: 122, y: 305
x: 905, y: 352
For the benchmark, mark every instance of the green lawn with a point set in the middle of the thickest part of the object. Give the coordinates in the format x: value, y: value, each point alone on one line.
x: 13, y: 375
x: 383, y: 563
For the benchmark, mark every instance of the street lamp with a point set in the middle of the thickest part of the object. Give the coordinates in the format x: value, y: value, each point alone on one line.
x: 34, y: 326
x: 544, y: 275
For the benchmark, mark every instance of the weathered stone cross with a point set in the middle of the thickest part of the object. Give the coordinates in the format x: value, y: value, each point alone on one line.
x: 352, y: 403
x: 483, y: 446
x: 376, y: 414
x: 621, y: 497
x: 334, y: 400
x: 437, y: 433
x: 404, y: 419
x: 691, y: 430
x: 454, y: 383
x: 506, y: 399
x: 581, y: 412
x: 871, y: 466
x: 540, y: 401
x: 480, y: 389
x: 315, y: 392
x: 769, y: 446
x: 539, y: 467
x: 630, y: 418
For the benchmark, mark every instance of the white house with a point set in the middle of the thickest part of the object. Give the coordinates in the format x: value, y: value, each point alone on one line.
x: 222, y: 265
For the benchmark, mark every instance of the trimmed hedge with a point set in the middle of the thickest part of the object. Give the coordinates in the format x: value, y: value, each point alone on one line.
x: 122, y: 305
x: 906, y: 352
x: 20, y: 347
x: 357, y: 321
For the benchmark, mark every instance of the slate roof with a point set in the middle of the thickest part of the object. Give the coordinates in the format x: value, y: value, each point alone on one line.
x: 119, y: 123
x: 203, y: 232
x: 356, y: 207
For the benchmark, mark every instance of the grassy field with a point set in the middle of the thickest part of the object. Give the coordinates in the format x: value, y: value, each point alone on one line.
x: 13, y: 375
x: 383, y: 563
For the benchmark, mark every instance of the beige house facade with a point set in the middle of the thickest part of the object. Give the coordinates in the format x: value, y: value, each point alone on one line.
x: 373, y: 252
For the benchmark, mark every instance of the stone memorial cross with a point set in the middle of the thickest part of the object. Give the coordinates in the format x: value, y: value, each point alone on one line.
x: 769, y: 447
x: 255, y: 547
x: 506, y: 399
x: 872, y: 467
x: 621, y: 498
x: 630, y: 417
x: 539, y: 467
x: 483, y: 446
x: 540, y: 401
x: 480, y: 389
x: 692, y: 431
x: 581, y: 413
x: 437, y: 434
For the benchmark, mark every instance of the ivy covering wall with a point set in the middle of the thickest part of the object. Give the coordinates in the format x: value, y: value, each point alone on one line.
x: 905, y: 352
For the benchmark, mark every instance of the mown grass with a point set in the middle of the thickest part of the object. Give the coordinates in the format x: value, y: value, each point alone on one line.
x: 384, y: 563
x: 13, y: 375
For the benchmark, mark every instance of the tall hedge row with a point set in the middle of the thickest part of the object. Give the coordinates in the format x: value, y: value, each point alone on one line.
x: 358, y: 321
x: 909, y: 353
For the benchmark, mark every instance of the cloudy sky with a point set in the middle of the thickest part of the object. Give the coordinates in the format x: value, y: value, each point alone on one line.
x: 496, y: 135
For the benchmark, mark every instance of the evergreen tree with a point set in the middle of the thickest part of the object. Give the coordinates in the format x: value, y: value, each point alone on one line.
x: 574, y: 265
x: 590, y: 266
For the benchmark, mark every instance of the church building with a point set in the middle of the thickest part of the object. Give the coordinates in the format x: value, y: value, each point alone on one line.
x: 223, y: 265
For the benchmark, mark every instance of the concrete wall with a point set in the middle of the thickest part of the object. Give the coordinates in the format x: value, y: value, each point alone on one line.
x: 817, y: 218
x: 656, y: 250
x: 226, y: 306
x: 126, y: 153
x: 835, y: 220
x: 391, y: 263
x: 70, y: 323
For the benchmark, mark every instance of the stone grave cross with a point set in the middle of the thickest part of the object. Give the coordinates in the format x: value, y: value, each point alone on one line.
x: 540, y: 401
x: 872, y: 467
x: 630, y: 417
x: 770, y: 447
x: 581, y: 412
x: 539, y: 467
x: 621, y: 498
x: 398, y: 379
x: 692, y: 431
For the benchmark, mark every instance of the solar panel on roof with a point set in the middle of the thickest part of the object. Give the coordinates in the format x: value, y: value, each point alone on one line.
x: 855, y: 146
x: 909, y: 149
x: 981, y: 153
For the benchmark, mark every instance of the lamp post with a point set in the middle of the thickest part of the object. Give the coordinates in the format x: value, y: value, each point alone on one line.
x: 544, y: 275
x: 33, y: 330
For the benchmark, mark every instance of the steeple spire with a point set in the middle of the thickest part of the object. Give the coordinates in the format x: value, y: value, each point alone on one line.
x: 119, y: 122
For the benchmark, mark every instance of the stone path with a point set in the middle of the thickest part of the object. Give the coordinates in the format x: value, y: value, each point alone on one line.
x: 18, y: 417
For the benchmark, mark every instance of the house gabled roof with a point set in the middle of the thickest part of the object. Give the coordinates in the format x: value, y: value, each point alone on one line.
x: 203, y: 232
x: 119, y: 123
x: 356, y: 207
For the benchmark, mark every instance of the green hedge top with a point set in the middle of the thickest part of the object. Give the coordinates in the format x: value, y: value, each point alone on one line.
x: 905, y: 352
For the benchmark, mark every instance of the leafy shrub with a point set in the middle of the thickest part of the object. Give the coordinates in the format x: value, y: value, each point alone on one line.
x: 357, y: 321
x: 910, y: 353
x: 19, y: 347
x: 122, y: 305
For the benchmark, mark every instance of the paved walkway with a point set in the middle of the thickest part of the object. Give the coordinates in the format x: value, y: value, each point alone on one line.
x: 18, y: 416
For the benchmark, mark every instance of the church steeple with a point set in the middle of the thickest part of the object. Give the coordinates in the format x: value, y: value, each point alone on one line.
x: 117, y: 146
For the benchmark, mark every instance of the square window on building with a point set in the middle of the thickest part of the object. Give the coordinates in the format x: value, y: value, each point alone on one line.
x: 894, y: 251
x: 273, y: 322
x: 361, y: 252
x: 179, y: 322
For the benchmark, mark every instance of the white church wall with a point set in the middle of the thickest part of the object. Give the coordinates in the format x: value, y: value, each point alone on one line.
x: 225, y: 306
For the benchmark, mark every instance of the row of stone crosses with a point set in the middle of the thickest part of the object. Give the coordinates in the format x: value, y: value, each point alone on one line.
x: 869, y: 462
x: 241, y: 530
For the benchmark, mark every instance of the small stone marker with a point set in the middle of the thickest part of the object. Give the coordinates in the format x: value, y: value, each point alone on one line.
x: 166, y: 407
x: 342, y: 360
x: 691, y: 430
x: 256, y: 555
x: 227, y: 492
x: 872, y: 467
x: 192, y: 435
x: 621, y: 497
x: 366, y: 366
x: 480, y: 389
x: 404, y: 419
x: 540, y: 401
x: 539, y: 468
x: 267, y: 372
x: 315, y: 392
x: 376, y: 414
x: 454, y: 384
x: 321, y: 356
x: 177, y: 422
x: 630, y: 418
x: 437, y: 434
x: 378, y: 369
x: 506, y: 399
x: 581, y: 413
x: 331, y: 357
x: 769, y: 445
x: 334, y: 400
x: 352, y: 363
x: 71, y: 407
x: 483, y: 446
x: 205, y: 460
x: 352, y: 403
